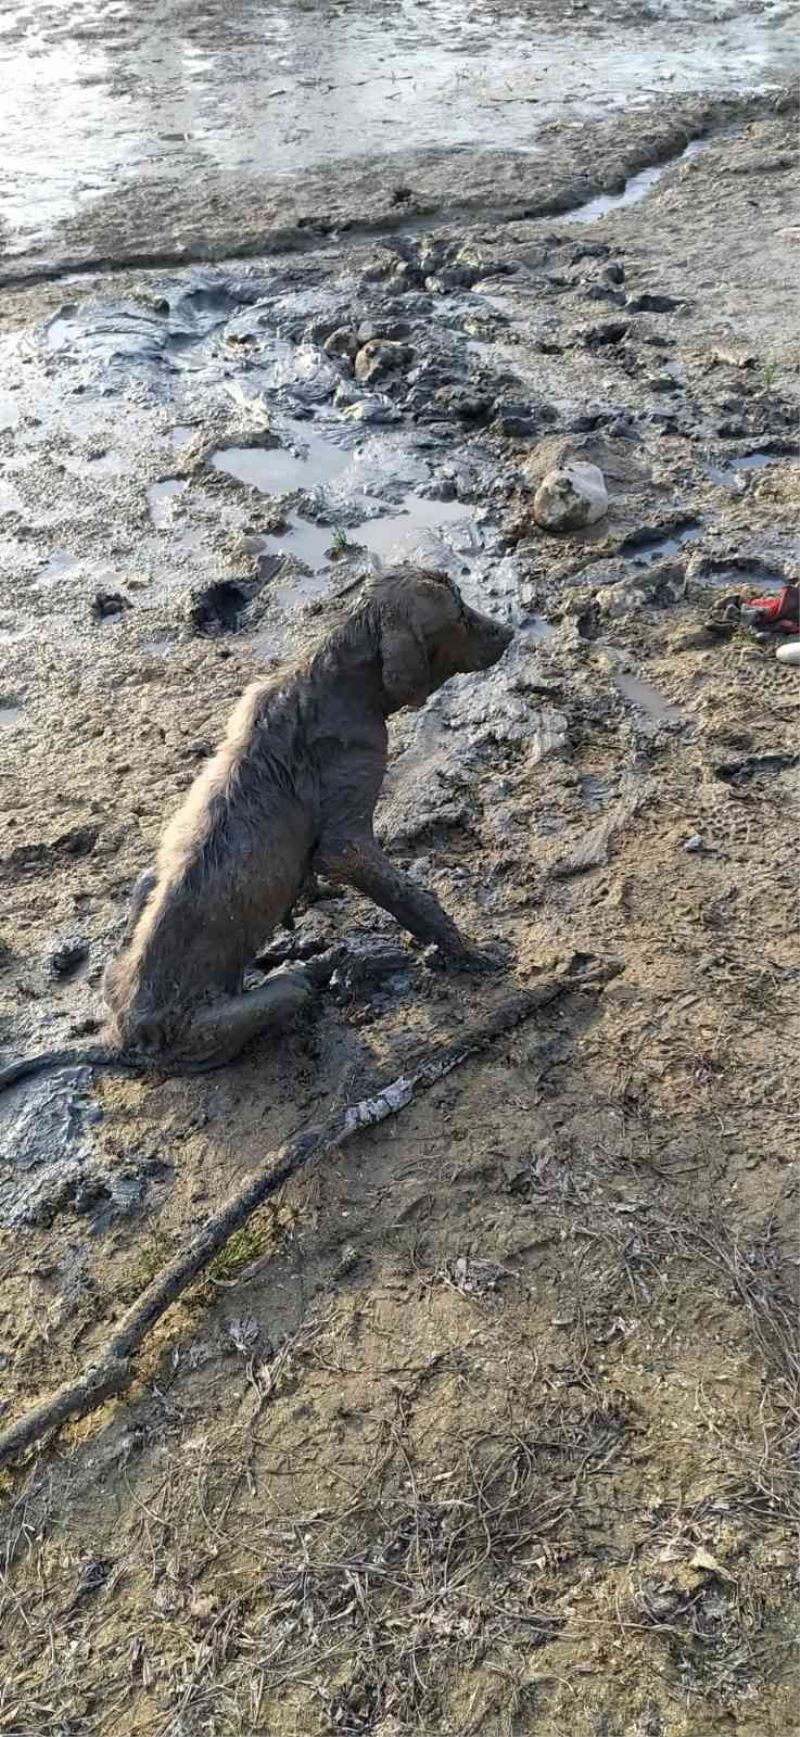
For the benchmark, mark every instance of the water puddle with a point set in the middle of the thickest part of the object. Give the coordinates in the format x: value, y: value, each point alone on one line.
x: 57, y: 566
x: 638, y: 693
x: 181, y: 436
x: 277, y: 470
x: 312, y: 544
x: 9, y: 411
x: 753, y: 460
x: 159, y: 645
x: 105, y: 464
x: 393, y: 536
x: 9, y: 715
x: 540, y: 630
x: 107, y: 97
x: 646, y: 698
x: 160, y: 499
x: 741, y: 575
x: 10, y: 500
x: 635, y: 189
x: 734, y: 474
x: 652, y: 546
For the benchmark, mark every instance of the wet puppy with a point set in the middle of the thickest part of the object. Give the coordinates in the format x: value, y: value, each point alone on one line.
x: 293, y: 789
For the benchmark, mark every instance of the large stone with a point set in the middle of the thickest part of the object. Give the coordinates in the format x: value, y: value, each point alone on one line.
x: 372, y: 411
x: 343, y: 342
x: 570, y: 497
x: 380, y: 357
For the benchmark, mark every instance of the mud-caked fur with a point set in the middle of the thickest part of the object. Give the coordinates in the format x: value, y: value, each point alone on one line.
x: 292, y: 789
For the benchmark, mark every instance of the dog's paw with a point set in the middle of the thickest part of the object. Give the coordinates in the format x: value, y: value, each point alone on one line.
x: 477, y: 961
x: 485, y: 960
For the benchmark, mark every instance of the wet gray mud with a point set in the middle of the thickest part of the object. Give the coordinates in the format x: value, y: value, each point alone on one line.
x: 292, y: 293
x: 160, y: 131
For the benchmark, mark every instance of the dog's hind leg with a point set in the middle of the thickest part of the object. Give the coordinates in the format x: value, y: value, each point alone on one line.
x: 219, y: 1030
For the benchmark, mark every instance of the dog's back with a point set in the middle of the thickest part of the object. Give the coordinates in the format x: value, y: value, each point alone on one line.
x: 228, y: 868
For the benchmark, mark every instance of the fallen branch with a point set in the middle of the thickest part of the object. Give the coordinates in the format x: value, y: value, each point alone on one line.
x: 113, y: 1370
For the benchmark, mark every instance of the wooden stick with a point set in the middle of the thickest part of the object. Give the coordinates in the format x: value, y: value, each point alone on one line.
x: 113, y: 1369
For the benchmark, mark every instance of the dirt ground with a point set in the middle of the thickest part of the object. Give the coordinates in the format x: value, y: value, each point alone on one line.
x: 486, y: 1427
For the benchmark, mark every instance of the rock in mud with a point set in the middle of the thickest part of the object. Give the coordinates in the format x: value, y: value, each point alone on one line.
x: 67, y: 955
x: 571, y: 497
x: 464, y: 403
x: 650, y: 302
x: 216, y: 608
x: 342, y: 343
x: 377, y: 358
x: 372, y: 411
x: 518, y: 420
x: 106, y: 603
x: 606, y: 332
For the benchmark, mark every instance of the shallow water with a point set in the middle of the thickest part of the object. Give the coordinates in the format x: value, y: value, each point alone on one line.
x: 753, y: 460
x: 394, y: 536
x: 104, y: 464
x: 734, y: 475
x: 636, y: 188
x: 161, y: 498
x: 96, y: 94
x: 278, y: 469
x: 659, y: 548
x: 640, y: 694
x: 645, y: 698
x: 58, y: 565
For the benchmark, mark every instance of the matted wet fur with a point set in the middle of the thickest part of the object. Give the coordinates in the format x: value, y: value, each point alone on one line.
x: 292, y: 789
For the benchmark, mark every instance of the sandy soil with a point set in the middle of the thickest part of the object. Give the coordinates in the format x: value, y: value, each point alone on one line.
x: 486, y: 1427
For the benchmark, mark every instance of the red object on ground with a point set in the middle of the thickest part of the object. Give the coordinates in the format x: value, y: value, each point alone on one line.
x: 781, y: 612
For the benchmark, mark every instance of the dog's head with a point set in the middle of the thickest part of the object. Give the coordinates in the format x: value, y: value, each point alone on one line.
x: 428, y: 633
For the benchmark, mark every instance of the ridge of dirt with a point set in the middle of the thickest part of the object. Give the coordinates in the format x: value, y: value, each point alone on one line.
x: 221, y: 218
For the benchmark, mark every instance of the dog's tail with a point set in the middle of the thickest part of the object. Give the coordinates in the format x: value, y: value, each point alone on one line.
x: 50, y: 1060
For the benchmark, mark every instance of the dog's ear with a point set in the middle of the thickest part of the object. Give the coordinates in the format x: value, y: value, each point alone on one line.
x: 404, y: 661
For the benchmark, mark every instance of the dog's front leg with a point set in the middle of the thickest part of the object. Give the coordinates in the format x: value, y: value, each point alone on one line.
x: 360, y: 863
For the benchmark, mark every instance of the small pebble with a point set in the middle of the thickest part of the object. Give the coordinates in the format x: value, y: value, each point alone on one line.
x: 693, y: 844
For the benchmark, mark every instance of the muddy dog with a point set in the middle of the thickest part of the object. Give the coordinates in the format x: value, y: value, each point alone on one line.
x: 293, y: 789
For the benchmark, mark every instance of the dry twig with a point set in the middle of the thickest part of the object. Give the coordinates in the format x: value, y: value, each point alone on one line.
x: 113, y: 1369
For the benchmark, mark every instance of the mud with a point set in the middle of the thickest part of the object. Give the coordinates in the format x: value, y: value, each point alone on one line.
x: 486, y: 1428
x: 98, y: 102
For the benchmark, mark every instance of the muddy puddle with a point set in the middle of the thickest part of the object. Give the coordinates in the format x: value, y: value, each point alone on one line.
x: 734, y: 475
x: 292, y: 490
x: 57, y: 567
x: 645, y: 699
x: 98, y: 97
x: 636, y: 187
x: 161, y: 499
x: 348, y: 486
x: 654, y: 546
x: 416, y: 528
x: 279, y: 469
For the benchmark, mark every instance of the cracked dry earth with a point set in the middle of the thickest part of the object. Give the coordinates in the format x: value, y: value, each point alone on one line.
x: 486, y: 1426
